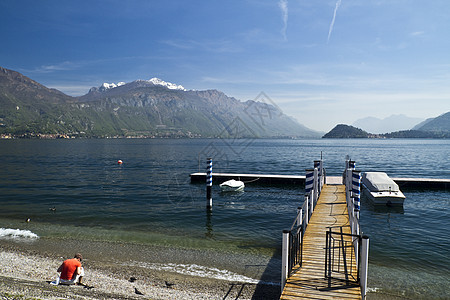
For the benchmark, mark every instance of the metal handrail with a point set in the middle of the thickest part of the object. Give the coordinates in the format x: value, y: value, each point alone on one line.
x: 296, y: 238
x: 293, y: 238
x: 330, y: 254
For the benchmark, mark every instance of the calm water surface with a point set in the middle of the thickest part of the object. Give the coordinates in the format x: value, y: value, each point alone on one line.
x: 149, y: 201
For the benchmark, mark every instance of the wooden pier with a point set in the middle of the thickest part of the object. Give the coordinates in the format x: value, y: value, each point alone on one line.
x: 309, y: 280
x: 324, y: 256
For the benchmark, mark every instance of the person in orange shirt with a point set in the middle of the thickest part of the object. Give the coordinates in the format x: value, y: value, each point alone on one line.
x: 71, y: 270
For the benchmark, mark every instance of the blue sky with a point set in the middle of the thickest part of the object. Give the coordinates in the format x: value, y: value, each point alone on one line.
x: 322, y: 62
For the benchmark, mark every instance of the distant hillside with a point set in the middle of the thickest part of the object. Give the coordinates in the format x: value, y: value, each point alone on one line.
x: 439, y: 124
x: 27, y: 106
x: 422, y: 123
x: 342, y: 131
x: 416, y: 134
x: 345, y: 131
x: 142, y: 108
x: 389, y: 124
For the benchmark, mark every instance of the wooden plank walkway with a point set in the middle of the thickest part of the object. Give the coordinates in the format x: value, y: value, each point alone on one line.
x: 309, y: 282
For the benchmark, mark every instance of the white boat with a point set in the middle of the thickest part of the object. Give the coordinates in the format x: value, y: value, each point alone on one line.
x: 232, y: 186
x: 381, y: 189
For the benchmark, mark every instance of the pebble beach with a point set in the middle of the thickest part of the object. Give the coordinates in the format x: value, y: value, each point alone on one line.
x: 26, y: 273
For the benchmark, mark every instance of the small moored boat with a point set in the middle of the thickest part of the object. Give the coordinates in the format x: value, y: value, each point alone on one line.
x: 232, y: 186
x: 381, y: 189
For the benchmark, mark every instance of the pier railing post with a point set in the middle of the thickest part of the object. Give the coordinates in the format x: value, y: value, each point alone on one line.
x: 356, y: 195
x: 300, y: 223
x: 307, y: 209
x: 322, y: 176
x: 315, y: 188
x: 348, y: 188
x: 364, y: 265
x: 309, y: 192
x: 318, y: 166
x: 299, y: 216
x: 309, y: 180
x: 349, y: 193
x: 284, y: 258
x: 209, y: 184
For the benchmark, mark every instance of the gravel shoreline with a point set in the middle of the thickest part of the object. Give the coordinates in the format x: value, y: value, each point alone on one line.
x: 26, y: 274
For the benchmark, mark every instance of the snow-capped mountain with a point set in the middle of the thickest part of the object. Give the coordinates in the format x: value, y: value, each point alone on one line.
x: 146, y: 108
x: 106, y: 86
x: 169, y: 85
x: 154, y: 81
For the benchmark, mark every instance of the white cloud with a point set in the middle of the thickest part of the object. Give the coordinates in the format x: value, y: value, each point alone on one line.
x: 338, y: 3
x: 283, y: 4
x: 417, y: 33
x: 64, y: 66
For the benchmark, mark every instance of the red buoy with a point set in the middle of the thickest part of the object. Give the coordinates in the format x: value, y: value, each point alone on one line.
x: 120, y: 162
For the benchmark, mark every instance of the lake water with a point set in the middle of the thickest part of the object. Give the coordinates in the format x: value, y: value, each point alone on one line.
x: 148, y: 206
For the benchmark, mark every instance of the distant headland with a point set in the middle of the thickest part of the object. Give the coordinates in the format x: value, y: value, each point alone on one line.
x: 434, y: 128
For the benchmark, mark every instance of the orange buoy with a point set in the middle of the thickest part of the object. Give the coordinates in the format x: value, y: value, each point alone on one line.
x: 120, y: 162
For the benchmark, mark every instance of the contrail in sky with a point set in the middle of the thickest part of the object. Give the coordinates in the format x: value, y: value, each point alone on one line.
x: 283, y: 4
x: 338, y: 3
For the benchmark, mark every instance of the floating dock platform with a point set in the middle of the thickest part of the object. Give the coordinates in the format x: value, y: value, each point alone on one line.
x: 443, y: 184
x: 273, y: 179
x: 247, y: 178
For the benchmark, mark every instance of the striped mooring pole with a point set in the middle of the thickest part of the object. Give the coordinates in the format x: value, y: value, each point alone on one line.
x: 349, y: 179
x: 351, y: 164
x: 309, y: 181
x: 209, y: 184
x: 318, y: 166
x: 309, y: 191
x: 356, y: 191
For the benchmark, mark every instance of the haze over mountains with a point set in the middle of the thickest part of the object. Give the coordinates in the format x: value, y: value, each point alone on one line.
x: 438, y: 127
x: 155, y: 108
x: 392, y: 123
x: 142, y: 108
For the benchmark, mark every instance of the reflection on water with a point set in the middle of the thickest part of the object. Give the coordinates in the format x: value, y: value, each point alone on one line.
x: 209, y: 227
x: 368, y: 204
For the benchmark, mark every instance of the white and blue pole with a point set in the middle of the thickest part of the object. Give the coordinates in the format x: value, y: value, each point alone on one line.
x: 209, y: 184
x: 356, y: 192
x: 309, y: 181
x: 318, y: 166
x: 309, y: 185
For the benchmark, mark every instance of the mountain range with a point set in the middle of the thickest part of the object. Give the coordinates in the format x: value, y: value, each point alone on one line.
x: 389, y: 124
x: 142, y: 108
x: 438, y: 127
